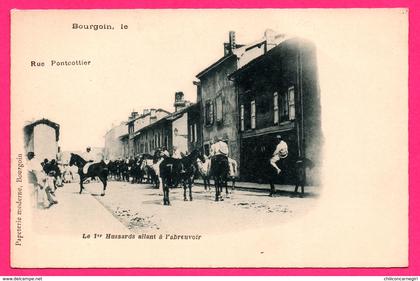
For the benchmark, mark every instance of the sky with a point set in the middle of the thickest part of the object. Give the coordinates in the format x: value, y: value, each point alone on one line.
x: 162, y: 50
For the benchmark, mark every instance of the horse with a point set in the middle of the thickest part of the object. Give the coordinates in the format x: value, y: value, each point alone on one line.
x: 298, y: 172
x: 150, y: 166
x: 203, y: 168
x: 204, y: 171
x: 136, y: 172
x: 99, y: 170
x: 219, y: 171
x: 52, y: 169
x: 179, y: 170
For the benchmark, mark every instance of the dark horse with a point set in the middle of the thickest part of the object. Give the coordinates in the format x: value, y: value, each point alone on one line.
x: 297, y: 172
x: 173, y: 171
x: 99, y: 170
x: 219, y: 171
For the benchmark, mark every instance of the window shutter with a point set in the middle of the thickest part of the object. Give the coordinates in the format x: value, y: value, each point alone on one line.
x: 276, y: 107
x: 242, y: 117
x: 253, y: 117
x: 211, y: 112
x: 292, y: 103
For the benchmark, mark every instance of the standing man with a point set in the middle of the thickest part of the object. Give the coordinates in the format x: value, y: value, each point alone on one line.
x: 37, y: 177
x: 279, y: 153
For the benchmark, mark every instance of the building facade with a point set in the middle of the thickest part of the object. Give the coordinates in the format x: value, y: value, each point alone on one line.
x: 135, y: 125
x: 114, y: 145
x: 195, y: 129
x: 170, y: 131
x: 41, y: 137
x: 278, y: 94
x: 217, y: 99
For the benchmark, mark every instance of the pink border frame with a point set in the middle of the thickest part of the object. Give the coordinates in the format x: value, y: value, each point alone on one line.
x: 414, y: 132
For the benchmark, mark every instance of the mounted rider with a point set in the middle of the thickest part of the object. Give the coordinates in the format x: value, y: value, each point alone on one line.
x: 280, y: 153
x: 89, y: 158
x: 178, y: 155
x: 219, y: 151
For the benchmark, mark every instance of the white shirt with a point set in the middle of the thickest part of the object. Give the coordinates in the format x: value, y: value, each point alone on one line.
x: 34, y: 165
x: 176, y: 154
x: 218, y: 148
x: 88, y: 156
x: 281, y: 149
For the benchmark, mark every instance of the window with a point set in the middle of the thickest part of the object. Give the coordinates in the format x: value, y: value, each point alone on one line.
x: 219, y: 109
x: 284, y: 107
x: 242, y: 117
x: 209, y: 113
x: 253, y: 111
x: 276, y: 107
x: 291, y: 103
x: 193, y: 133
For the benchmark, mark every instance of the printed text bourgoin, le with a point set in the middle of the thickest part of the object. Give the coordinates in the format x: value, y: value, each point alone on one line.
x: 96, y: 27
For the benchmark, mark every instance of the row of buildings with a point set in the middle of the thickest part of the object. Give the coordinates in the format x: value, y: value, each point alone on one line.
x: 247, y: 97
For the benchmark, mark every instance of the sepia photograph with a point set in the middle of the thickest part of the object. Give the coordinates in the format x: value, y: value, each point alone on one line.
x: 209, y: 138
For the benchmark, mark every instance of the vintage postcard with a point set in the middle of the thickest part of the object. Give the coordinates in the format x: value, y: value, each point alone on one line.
x: 209, y: 138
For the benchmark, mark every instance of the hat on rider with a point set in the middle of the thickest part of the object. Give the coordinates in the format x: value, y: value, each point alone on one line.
x: 278, y: 137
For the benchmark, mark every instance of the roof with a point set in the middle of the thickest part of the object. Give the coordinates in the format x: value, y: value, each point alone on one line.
x: 124, y: 136
x: 264, y: 58
x: 170, y: 117
x: 143, y: 115
x: 29, y: 128
x: 214, y: 65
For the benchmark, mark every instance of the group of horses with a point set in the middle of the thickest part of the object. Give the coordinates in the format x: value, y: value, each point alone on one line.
x: 138, y: 169
x: 162, y: 171
x: 166, y: 172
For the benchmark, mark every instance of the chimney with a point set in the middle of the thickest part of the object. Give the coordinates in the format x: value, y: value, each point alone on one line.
x: 179, y: 101
x: 145, y: 111
x: 232, y: 40
x: 270, y: 39
x: 152, y: 115
x: 133, y: 115
x: 229, y: 47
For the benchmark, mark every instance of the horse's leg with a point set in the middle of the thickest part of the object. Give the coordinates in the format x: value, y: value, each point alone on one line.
x: 303, y: 191
x: 272, y: 188
x: 216, y: 187
x: 167, y: 195
x: 81, y: 185
x: 104, y: 182
x: 190, y: 187
x: 164, y: 193
x: 184, y: 185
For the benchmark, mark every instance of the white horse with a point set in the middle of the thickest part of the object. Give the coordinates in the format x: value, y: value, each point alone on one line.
x: 152, y: 170
x: 204, y: 170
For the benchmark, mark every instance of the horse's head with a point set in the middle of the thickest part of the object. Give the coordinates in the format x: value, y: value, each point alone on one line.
x: 197, y: 154
x: 76, y: 160
x: 72, y: 159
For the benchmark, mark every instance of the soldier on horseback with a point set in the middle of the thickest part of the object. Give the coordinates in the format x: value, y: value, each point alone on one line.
x: 279, y: 153
x: 219, y: 165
